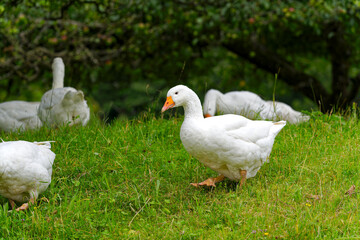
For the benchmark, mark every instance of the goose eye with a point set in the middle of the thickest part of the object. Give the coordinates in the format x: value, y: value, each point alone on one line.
x: 176, y: 93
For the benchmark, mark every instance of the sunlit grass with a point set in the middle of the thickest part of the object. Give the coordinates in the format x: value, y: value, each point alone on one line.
x: 131, y: 180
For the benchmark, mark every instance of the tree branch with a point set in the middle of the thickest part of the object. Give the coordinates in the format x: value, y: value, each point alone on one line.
x: 267, y: 60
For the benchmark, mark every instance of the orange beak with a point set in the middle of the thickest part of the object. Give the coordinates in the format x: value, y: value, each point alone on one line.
x: 168, y: 104
x: 207, y: 115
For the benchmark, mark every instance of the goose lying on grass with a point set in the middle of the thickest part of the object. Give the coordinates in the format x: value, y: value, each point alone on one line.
x: 63, y: 105
x: 20, y: 115
x: 231, y: 145
x: 25, y: 171
x: 249, y: 105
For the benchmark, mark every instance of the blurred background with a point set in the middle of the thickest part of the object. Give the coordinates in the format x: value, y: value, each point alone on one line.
x: 125, y: 55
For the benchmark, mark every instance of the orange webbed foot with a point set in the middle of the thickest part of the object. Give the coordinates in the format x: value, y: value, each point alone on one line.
x: 23, y: 207
x: 210, y: 182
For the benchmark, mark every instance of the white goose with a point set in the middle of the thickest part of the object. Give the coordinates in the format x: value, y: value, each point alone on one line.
x: 19, y: 115
x: 26, y: 170
x: 231, y: 145
x: 250, y: 105
x: 63, y: 105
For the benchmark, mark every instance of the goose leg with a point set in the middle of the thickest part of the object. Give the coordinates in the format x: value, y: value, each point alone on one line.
x: 243, y: 177
x: 210, y: 181
x: 12, y: 203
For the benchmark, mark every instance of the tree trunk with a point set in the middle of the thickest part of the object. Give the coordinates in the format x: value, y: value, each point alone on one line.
x: 340, y: 54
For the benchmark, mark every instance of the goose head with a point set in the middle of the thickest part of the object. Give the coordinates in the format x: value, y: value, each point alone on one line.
x: 182, y: 96
x: 210, y: 102
x: 176, y: 97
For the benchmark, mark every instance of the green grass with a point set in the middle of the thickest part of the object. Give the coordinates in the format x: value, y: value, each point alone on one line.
x: 131, y: 180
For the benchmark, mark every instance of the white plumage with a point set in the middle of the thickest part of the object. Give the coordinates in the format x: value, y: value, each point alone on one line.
x: 19, y: 115
x: 25, y: 170
x: 63, y: 105
x: 250, y: 105
x: 280, y: 110
x: 58, y: 69
x: 231, y: 145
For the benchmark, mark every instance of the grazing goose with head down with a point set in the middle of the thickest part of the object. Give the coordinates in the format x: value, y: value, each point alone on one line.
x: 231, y: 145
x: 25, y: 171
x: 250, y: 105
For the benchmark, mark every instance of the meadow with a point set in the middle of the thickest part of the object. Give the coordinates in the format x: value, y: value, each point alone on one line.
x: 131, y: 180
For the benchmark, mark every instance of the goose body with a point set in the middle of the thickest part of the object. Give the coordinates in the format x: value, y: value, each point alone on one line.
x: 63, y: 105
x: 249, y: 105
x: 26, y: 170
x: 280, y: 110
x: 232, y: 145
x: 19, y: 115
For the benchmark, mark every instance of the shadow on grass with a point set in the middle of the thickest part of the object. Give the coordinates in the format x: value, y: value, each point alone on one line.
x: 224, y: 186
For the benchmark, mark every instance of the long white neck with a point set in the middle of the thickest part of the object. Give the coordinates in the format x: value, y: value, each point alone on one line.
x: 192, y: 107
x: 210, y: 101
x: 58, y: 69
